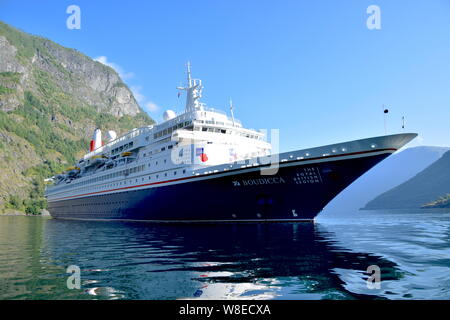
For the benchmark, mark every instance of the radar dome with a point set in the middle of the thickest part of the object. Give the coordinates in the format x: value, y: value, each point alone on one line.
x: 111, y: 135
x: 169, y: 114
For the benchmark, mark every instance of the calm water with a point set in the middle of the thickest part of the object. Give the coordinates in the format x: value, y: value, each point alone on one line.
x: 326, y: 260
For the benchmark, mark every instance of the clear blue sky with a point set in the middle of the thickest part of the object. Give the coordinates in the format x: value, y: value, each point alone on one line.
x: 310, y: 68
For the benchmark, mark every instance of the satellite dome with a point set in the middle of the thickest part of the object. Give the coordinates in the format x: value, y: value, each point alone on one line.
x: 169, y: 114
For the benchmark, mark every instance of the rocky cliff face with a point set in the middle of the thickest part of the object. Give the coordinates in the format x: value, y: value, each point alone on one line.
x: 51, y: 100
x: 91, y: 82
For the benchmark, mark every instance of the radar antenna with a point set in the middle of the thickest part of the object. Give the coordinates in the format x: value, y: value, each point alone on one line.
x: 193, y: 91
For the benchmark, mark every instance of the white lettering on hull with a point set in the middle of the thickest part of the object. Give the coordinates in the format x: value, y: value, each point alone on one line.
x: 308, y: 176
x: 260, y: 181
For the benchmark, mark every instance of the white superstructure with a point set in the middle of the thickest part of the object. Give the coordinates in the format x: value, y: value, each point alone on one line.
x: 198, y: 138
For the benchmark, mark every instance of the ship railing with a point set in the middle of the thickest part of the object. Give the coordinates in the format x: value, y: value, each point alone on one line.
x: 214, y: 110
x: 222, y: 113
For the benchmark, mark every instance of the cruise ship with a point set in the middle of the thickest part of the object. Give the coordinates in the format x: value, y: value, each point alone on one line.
x: 203, y: 165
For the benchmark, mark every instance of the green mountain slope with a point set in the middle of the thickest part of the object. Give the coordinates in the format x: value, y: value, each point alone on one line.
x: 51, y: 100
x: 427, y: 186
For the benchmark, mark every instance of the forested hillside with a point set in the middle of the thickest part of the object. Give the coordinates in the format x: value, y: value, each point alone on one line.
x: 51, y: 100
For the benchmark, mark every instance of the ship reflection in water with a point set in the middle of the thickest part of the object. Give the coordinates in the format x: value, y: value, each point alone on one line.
x: 121, y: 260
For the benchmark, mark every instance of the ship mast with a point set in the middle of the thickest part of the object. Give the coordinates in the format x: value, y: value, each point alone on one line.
x: 189, y: 73
x: 231, y: 111
x: 193, y: 92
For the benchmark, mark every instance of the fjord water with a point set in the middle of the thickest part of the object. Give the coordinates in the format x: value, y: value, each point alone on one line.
x: 325, y: 260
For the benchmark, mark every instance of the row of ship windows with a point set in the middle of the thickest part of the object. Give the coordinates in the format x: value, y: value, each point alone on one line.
x: 118, y: 184
x: 204, y: 129
x: 157, y: 151
x: 212, y: 122
x: 122, y: 148
x: 129, y: 145
x: 98, y: 203
x: 224, y: 131
x: 171, y: 129
x: 113, y: 175
x: 118, y: 173
x: 89, y: 204
x: 123, y: 183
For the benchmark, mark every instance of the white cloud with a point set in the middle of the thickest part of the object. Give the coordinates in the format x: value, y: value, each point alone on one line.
x: 124, y: 75
x: 420, y: 139
x: 137, y: 93
x: 151, y: 106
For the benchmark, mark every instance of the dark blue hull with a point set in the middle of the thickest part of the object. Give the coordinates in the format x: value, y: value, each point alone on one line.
x: 299, y: 191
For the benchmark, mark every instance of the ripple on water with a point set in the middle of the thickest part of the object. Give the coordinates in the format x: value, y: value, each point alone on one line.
x: 327, y: 260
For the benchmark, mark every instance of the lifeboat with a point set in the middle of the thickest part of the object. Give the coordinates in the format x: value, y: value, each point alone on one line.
x: 126, y: 154
x: 97, y: 160
x: 72, y: 171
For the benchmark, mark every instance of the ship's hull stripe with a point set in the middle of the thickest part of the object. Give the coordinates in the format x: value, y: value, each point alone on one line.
x: 227, y: 173
x: 193, y: 221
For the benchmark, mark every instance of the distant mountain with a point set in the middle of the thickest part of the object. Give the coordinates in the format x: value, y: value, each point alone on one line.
x: 389, y: 173
x: 51, y: 100
x: 425, y: 187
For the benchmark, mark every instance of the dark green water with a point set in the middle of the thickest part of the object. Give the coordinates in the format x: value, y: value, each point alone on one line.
x: 325, y: 260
